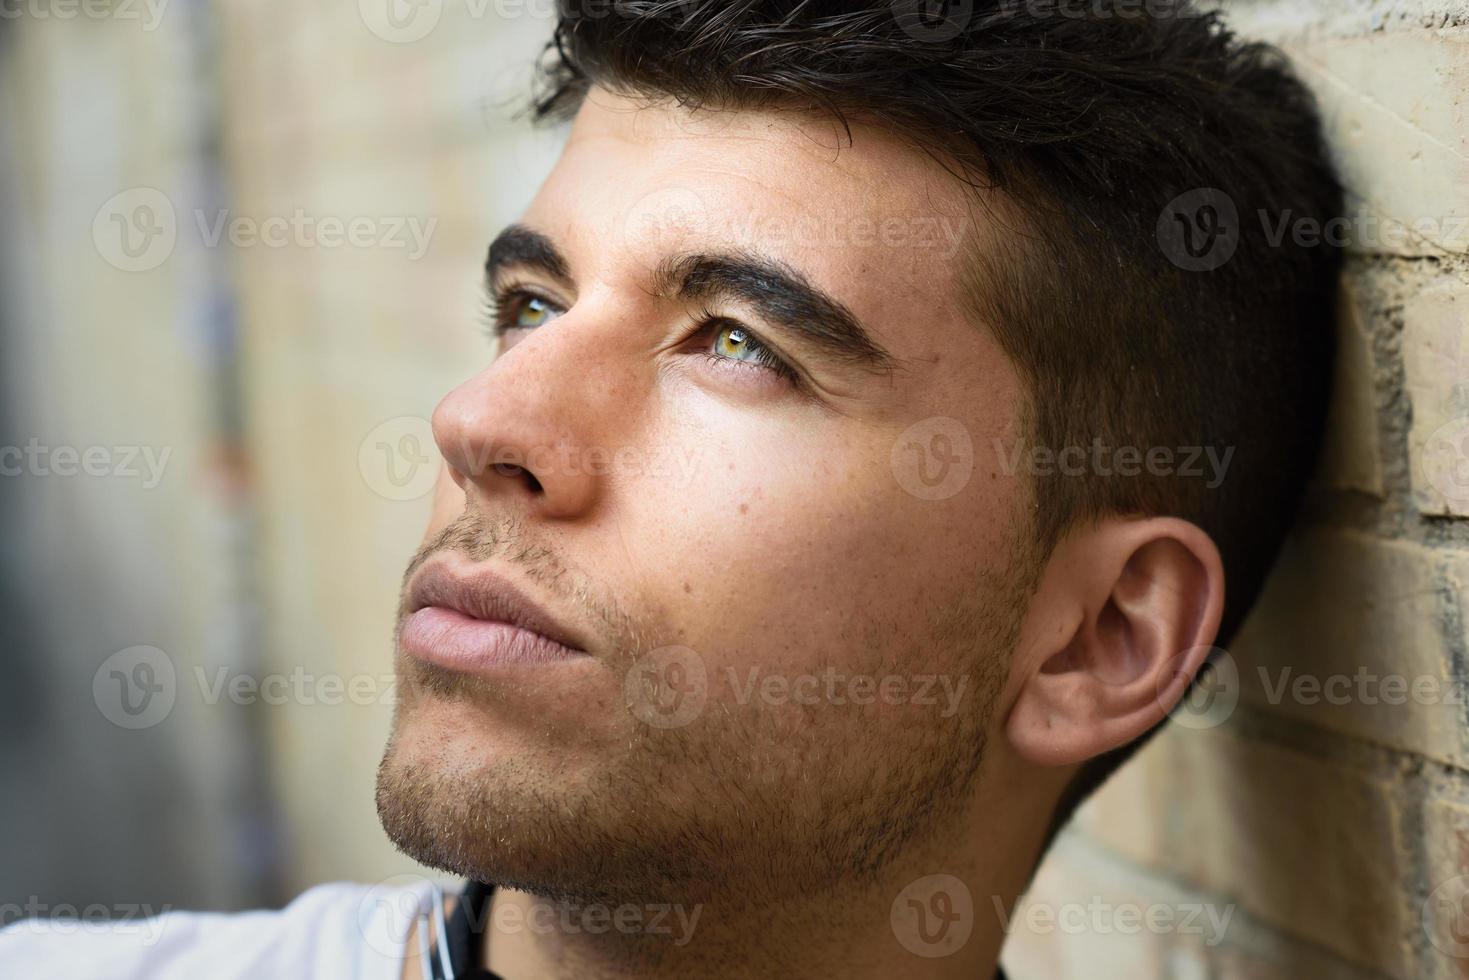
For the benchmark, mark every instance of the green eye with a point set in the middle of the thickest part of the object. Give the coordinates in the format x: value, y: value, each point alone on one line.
x: 533, y: 312
x: 514, y: 308
x: 735, y: 343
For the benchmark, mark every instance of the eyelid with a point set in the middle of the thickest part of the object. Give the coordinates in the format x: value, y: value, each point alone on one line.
x: 785, y: 366
x: 508, y: 288
x: 500, y: 296
x: 502, y: 293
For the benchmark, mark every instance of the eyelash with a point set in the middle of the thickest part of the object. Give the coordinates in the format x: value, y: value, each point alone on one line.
x: 502, y: 305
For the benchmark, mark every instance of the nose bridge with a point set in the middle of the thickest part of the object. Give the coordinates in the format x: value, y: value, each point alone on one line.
x: 543, y: 418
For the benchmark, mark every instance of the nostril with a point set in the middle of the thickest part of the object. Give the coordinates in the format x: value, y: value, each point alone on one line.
x: 511, y: 470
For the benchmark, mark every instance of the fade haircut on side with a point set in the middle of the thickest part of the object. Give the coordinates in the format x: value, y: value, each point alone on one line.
x: 1149, y: 299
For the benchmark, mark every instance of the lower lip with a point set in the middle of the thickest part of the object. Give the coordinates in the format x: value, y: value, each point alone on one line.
x: 450, y: 639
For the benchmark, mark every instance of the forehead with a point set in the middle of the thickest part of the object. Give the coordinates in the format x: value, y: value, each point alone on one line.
x: 872, y: 218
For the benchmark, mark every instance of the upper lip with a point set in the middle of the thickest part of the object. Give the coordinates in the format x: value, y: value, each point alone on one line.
x: 483, y: 594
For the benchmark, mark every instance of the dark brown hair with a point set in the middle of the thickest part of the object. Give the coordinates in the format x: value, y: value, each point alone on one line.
x: 1152, y: 301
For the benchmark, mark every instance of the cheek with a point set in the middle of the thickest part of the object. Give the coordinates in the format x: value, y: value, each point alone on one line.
x: 792, y: 552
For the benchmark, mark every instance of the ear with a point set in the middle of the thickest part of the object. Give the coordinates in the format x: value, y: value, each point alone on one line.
x: 1123, y: 619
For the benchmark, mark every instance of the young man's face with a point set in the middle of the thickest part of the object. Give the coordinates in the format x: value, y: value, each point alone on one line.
x: 795, y: 599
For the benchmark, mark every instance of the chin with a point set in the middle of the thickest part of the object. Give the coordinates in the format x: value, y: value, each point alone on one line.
x: 454, y: 793
x: 723, y: 810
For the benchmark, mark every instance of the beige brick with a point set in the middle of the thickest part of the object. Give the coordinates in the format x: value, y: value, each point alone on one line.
x: 1436, y: 360
x: 1348, y: 636
x: 1394, y: 109
x: 1446, y: 909
x: 1350, y: 459
x: 1063, y: 926
x: 1282, y: 959
x: 1304, y: 844
x: 1129, y: 815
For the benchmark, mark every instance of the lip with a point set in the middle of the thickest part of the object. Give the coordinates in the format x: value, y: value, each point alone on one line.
x: 477, y: 621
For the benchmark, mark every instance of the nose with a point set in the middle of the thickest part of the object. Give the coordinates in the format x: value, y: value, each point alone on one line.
x: 525, y: 432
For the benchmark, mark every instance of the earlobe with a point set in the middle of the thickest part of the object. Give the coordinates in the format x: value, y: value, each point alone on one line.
x: 1141, y: 601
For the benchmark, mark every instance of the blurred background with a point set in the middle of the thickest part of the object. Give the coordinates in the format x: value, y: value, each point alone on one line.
x: 239, y: 263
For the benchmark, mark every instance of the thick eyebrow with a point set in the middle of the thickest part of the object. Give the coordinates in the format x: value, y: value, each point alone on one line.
x: 518, y: 245
x: 777, y: 292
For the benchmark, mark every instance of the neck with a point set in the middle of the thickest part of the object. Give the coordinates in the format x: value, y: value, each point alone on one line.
x: 932, y: 915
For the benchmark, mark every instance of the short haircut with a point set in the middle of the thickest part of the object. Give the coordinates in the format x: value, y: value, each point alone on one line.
x: 1157, y: 297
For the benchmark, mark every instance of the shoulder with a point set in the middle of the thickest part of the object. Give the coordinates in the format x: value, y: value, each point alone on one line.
x: 339, y: 930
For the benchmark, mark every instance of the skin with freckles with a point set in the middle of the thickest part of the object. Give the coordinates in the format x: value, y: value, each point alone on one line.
x: 722, y: 505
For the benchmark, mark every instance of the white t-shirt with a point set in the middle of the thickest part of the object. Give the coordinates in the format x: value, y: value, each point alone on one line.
x: 331, y: 931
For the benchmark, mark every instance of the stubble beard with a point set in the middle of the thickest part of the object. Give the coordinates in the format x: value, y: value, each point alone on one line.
x: 749, y: 806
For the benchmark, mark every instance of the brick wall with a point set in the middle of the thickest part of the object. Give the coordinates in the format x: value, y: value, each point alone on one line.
x: 1314, y: 820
